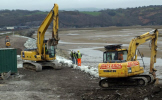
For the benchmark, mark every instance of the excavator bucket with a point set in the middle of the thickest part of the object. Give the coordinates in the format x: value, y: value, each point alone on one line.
x: 156, y: 81
x: 52, y: 42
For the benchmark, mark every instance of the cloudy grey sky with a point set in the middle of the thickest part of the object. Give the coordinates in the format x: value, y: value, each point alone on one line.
x: 68, y: 4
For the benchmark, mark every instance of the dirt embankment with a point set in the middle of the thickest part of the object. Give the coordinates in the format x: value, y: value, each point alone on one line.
x: 27, y: 33
x: 16, y: 41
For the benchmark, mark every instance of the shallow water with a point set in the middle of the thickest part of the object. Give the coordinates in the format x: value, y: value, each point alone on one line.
x: 92, y: 57
x: 62, y: 42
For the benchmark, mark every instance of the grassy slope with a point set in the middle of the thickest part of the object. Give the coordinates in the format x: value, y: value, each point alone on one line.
x: 91, y: 13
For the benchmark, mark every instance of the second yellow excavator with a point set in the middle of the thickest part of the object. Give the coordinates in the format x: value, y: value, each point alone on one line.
x: 120, y: 67
x: 7, y: 41
x: 45, y: 54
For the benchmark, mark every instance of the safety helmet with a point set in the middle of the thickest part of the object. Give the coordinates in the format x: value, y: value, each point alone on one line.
x: 78, y: 50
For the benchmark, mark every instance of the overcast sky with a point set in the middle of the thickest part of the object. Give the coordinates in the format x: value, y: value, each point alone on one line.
x: 68, y: 4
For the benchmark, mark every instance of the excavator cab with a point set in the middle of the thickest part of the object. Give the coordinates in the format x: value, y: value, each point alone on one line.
x: 114, y: 53
x: 51, y: 51
x: 49, y: 48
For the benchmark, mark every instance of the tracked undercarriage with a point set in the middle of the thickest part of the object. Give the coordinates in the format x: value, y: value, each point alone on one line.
x: 38, y: 66
x: 139, y: 80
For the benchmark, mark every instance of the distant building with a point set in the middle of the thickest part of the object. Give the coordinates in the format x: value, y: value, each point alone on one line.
x: 21, y: 27
x: 10, y: 28
x: 14, y: 28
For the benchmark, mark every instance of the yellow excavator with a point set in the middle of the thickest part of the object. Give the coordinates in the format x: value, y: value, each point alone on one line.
x: 7, y: 41
x: 121, y: 68
x: 45, y: 53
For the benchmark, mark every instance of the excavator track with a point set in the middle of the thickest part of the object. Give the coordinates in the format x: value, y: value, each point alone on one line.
x: 135, y: 81
x: 32, y: 66
x: 38, y: 66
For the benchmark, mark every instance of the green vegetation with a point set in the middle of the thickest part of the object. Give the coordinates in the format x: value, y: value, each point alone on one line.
x: 37, y: 13
x: 150, y: 15
x: 91, y: 13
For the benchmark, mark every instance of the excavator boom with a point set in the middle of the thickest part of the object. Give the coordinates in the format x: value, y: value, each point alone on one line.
x: 153, y: 36
x: 138, y: 41
x: 52, y: 15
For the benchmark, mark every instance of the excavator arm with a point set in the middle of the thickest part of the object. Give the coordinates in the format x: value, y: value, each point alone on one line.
x: 140, y: 40
x: 52, y: 15
x: 153, y: 53
x: 132, y: 56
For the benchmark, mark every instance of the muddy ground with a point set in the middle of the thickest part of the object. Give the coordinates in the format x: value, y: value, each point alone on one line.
x: 15, y: 41
x: 68, y: 83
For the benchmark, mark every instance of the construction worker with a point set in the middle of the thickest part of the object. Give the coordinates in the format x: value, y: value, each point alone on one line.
x: 79, y: 56
x: 120, y: 56
x: 75, y: 56
x: 72, y: 57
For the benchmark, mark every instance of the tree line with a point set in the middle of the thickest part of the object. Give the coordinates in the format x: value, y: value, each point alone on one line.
x: 147, y: 15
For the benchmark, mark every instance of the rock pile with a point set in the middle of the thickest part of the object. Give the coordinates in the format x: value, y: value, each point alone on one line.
x: 30, y: 43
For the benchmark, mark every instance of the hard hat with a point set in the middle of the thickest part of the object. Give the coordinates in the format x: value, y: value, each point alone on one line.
x: 78, y: 50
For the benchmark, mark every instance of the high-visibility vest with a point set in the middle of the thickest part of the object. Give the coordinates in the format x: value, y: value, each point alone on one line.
x: 79, y: 55
x: 75, y: 54
x: 72, y: 55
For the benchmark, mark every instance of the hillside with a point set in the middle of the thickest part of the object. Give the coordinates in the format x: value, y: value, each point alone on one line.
x: 150, y: 15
